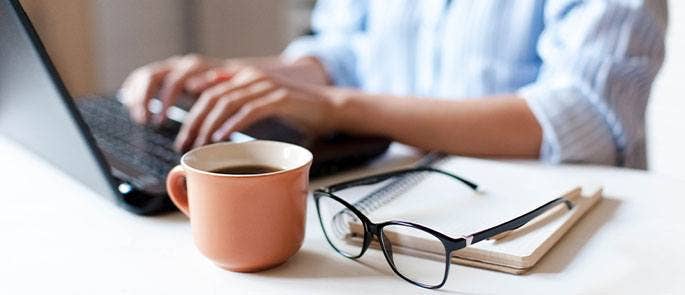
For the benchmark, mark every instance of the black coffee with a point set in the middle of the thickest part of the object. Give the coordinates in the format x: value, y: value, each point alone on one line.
x: 246, y: 169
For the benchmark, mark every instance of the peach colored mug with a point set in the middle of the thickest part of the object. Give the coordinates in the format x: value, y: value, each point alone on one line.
x: 244, y: 222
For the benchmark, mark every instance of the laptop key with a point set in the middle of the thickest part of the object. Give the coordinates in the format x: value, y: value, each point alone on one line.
x: 147, y: 150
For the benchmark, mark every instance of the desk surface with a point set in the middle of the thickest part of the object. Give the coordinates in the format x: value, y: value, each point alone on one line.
x: 60, y: 237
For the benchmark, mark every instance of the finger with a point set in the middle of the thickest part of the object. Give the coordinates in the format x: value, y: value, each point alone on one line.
x: 203, y: 81
x: 228, y: 106
x: 198, y: 113
x: 250, y: 113
x: 200, y: 110
x: 174, y: 82
x: 139, y: 88
x: 247, y: 74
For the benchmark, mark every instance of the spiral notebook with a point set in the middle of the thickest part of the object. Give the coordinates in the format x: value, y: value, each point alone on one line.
x: 510, y: 190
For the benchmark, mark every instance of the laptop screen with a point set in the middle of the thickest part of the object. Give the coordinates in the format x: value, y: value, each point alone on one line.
x: 35, y: 108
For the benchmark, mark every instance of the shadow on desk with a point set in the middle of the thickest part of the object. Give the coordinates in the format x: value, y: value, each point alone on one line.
x: 171, y: 217
x: 307, y: 264
x: 570, y: 245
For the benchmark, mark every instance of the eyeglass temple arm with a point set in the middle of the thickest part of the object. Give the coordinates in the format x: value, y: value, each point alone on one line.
x: 516, y: 222
x: 384, y: 176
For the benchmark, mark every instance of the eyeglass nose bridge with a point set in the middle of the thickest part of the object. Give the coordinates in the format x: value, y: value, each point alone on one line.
x: 371, y: 232
x: 372, y: 228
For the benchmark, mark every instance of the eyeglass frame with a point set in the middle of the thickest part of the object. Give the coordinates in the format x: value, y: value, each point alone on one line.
x: 450, y: 244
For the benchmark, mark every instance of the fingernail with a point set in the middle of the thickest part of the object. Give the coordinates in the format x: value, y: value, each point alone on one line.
x: 222, y: 132
x: 216, y: 137
x: 198, y: 143
x: 178, y: 145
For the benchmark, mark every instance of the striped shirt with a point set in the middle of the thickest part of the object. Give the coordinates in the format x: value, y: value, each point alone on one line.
x: 585, y: 68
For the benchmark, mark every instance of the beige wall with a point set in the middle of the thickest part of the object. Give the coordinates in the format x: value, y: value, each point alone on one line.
x: 96, y: 43
x: 64, y: 26
x: 247, y: 27
x: 131, y: 33
x: 243, y: 28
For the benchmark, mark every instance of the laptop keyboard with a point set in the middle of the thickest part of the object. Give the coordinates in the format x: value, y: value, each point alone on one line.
x: 147, y: 150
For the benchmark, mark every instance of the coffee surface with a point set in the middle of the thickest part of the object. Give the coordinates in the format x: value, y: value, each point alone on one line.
x: 246, y: 169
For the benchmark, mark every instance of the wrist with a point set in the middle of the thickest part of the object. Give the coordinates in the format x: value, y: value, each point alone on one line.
x: 309, y: 69
x: 343, y: 106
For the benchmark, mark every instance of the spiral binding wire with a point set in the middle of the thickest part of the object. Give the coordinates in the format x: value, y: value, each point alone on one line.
x: 389, y: 192
x: 375, y: 200
x: 384, y: 194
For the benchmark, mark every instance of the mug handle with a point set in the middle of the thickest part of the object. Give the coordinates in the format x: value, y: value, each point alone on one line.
x: 176, y: 187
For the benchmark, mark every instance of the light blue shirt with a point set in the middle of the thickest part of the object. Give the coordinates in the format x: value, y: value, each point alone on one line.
x: 584, y: 67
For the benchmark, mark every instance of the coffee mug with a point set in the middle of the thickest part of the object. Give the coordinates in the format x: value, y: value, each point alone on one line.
x: 244, y: 222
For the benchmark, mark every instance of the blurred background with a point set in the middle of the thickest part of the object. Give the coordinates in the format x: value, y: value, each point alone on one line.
x: 96, y: 43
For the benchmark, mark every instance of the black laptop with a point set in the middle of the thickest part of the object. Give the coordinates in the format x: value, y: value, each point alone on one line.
x: 93, y: 139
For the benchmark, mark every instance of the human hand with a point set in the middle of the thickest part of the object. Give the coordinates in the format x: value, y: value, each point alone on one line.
x: 168, y: 78
x: 253, y: 94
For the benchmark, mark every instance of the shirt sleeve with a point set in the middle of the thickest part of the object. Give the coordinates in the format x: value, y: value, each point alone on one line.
x: 337, y: 24
x: 599, y: 59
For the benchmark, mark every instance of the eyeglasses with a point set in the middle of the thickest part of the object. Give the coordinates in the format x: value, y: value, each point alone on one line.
x: 350, y: 232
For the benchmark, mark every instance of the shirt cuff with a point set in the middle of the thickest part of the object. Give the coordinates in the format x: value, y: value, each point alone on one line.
x: 572, y: 129
x: 337, y: 58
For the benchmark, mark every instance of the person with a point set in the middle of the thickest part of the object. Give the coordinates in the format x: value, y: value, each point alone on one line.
x: 558, y: 80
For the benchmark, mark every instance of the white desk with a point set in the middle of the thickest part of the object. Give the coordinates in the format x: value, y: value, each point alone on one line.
x: 56, y: 236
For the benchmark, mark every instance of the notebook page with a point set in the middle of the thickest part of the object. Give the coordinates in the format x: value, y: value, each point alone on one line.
x: 510, y: 190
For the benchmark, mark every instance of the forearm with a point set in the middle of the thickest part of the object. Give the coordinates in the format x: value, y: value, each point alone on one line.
x: 497, y: 126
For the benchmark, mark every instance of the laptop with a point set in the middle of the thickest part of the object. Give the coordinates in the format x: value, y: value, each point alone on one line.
x: 93, y: 139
